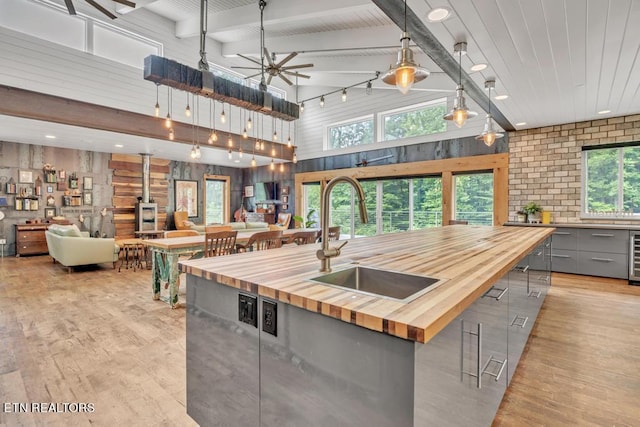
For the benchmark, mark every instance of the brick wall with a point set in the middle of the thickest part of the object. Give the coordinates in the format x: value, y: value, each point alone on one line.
x: 545, y: 163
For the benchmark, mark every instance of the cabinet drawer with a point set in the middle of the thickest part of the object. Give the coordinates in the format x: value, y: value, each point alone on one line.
x: 31, y: 236
x: 603, y: 264
x: 564, y: 261
x: 565, y: 238
x: 613, y: 241
x: 32, y: 248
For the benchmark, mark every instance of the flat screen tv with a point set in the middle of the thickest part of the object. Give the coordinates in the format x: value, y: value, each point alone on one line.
x: 266, y: 191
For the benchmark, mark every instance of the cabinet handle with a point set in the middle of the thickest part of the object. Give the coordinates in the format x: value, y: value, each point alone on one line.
x: 601, y: 235
x: 602, y: 259
x: 562, y: 233
x: 519, y: 321
x: 534, y: 294
x: 478, y: 373
x: 560, y: 256
x: 521, y: 269
x: 502, y: 364
x: 497, y: 297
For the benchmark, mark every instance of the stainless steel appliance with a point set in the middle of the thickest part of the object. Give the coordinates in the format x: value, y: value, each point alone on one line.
x: 634, y: 256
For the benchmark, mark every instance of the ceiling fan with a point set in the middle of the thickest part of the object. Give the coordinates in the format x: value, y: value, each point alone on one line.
x: 273, y: 69
x: 72, y: 9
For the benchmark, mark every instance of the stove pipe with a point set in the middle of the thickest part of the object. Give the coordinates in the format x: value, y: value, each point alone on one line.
x: 145, y: 177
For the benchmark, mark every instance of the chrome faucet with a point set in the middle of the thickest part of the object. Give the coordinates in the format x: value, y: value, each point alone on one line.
x: 325, y: 254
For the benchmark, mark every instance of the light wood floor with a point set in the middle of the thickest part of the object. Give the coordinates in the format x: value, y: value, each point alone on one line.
x: 96, y: 336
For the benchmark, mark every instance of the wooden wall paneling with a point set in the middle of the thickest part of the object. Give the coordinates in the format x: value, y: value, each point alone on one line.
x: 500, y: 195
x: 448, y: 197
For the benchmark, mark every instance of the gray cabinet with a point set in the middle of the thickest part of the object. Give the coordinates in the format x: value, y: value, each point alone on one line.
x: 591, y: 251
x: 461, y: 373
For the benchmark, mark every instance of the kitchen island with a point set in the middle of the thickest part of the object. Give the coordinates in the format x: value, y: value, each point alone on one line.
x: 267, y: 345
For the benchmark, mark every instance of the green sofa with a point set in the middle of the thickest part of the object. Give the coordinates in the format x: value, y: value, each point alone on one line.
x: 71, y: 247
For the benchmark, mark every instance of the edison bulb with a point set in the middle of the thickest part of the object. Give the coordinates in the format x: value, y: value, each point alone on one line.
x: 460, y: 117
x: 167, y: 121
x: 405, y: 77
x: 489, y: 138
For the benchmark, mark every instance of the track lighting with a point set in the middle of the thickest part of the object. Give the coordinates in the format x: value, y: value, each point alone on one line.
x: 460, y: 113
x: 489, y: 135
x: 405, y: 72
x: 369, y: 88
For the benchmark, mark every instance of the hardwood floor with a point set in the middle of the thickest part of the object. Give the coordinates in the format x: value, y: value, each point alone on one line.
x: 96, y: 336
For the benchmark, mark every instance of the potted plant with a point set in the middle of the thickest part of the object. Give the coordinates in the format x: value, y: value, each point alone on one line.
x: 309, y: 222
x: 532, y: 209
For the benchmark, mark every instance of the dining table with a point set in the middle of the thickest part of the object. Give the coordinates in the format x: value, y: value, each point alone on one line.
x: 164, y: 259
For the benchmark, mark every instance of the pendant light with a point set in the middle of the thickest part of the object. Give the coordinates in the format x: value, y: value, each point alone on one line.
x: 157, y: 107
x: 406, y: 72
x: 167, y: 121
x: 489, y: 135
x: 460, y: 113
x: 187, y: 110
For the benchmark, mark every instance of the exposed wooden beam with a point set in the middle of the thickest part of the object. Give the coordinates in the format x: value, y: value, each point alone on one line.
x: 429, y: 44
x: 39, y: 106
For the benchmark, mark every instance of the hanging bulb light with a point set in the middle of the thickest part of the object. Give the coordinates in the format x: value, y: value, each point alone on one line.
x: 460, y: 113
x: 302, y: 107
x: 272, y: 166
x: 489, y: 135
x: 187, y: 110
x: 198, y: 153
x: 262, y: 145
x: 289, y: 142
x: 193, y: 152
x: 281, y: 167
x: 230, y: 142
x: 273, y: 151
x: 253, y: 161
x: 369, y: 88
x: 344, y: 95
x: 275, y: 130
x: 157, y: 108
x: 257, y: 144
x: 171, y: 134
x: 295, y: 158
x: 223, y: 117
x: 249, y: 123
x: 245, y: 135
x: 322, y: 101
x: 230, y: 154
x: 240, y: 152
x: 405, y: 72
x: 213, y: 137
x: 167, y: 121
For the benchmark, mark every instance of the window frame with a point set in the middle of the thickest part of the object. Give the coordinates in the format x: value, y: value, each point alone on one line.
x: 226, y: 215
x: 327, y: 131
x: 584, y: 178
x: 380, y: 128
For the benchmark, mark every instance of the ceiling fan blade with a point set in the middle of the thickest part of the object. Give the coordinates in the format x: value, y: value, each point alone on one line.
x: 269, y: 79
x: 291, y: 67
x: 286, y: 59
x: 253, y: 75
x: 126, y: 3
x: 101, y: 9
x: 70, y: 8
x: 292, y: 73
x: 266, y: 53
x: 286, y: 80
x: 246, y: 68
x: 248, y: 58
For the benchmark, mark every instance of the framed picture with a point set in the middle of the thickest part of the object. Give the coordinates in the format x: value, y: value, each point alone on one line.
x: 285, y: 190
x: 62, y: 186
x: 87, y: 198
x: 49, y: 188
x: 285, y: 199
x: 285, y: 207
x: 87, y: 183
x: 25, y: 177
x: 248, y: 191
x: 49, y: 212
x: 62, y: 174
x: 51, y: 201
x: 186, y: 197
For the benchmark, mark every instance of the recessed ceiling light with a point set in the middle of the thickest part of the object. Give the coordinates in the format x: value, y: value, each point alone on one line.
x: 50, y: 136
x: 438, y: 14
x: 118, y: 145
x: 478, y: 67
x: 604, y: 112
x: 501, y: 97
x: 521, y: 124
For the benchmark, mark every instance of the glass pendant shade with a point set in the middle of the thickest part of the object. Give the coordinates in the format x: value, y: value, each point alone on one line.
x: 157, y: 109
x: 460, y: 113
x: 489, y: 135
x: 406, y: 72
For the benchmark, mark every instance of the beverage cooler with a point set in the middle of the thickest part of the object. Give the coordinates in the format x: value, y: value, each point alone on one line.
x: 634, y: 256
x: 146, y: 217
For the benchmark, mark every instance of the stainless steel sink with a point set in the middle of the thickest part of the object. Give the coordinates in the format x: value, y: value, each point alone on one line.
x: 384, y: 283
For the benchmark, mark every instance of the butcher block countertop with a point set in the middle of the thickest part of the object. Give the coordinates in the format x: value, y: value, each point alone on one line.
x: 469, y: 260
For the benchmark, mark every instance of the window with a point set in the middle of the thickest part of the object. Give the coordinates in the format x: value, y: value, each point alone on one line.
x: 124, y: 47
x: 611, y: 182
x: 417, y: 120
x: 426, y: 202
x: 348, y: 134
x: 235, y: 77
x: 216, y: 200
x: 311, y: 204
x: 474, y: 198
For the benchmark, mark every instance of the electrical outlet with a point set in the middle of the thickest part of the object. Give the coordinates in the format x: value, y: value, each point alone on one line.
x: 248, y: 309
x: 3, y: 241
x: 270, y: 317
